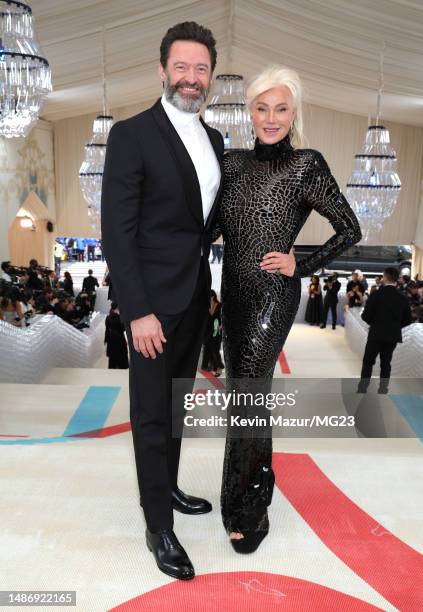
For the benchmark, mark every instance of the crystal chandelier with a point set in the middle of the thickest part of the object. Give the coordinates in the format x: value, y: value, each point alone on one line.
x: 25, y: 75
x: 91, y: 170
x: 228, y: 113
x: 374, y: 185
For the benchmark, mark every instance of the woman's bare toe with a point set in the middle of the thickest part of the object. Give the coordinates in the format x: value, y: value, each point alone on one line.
x: 234, y: 535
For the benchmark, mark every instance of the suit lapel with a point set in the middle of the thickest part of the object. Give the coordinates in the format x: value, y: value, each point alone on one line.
x: 217, y: 147
x: 182, y: 160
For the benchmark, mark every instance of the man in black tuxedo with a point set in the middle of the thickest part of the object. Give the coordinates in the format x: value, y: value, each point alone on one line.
x: 161, y: 188
x: 387, y: 311
x: 332, y: 287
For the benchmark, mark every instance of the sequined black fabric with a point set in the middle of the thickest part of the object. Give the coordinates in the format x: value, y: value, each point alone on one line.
x: 268, y: 195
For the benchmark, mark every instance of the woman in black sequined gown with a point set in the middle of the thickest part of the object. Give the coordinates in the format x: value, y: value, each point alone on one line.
x: 268, y: 196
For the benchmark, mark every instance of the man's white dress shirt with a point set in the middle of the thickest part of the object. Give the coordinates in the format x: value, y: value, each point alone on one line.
x: 199, y: 147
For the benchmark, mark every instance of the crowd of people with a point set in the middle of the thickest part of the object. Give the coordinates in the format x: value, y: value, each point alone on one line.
x: 33, y: 290
x: 80, y: 249
x: 322, y: 299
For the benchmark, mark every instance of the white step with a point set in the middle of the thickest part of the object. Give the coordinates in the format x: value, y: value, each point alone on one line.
x: 79, y: 270
x: 86, y: 376
x: 48, y: 410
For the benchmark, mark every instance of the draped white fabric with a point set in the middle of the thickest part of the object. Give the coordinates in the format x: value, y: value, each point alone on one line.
x: 29, y: 353
x: 334, y: 44
x: 337, y: 135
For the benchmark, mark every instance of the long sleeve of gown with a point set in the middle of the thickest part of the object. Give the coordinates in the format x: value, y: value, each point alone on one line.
x: 322, y: 193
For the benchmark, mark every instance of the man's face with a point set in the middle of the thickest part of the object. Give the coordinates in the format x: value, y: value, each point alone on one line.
x: 187, y: 75
x: 354, y: 276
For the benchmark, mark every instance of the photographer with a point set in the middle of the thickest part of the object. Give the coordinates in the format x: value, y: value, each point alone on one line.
x: 34, y: 281
x: 355, y: 291
x: 6, y: 268
x: 331, y: 286
x: 11, y: 309
x: 46, y: 302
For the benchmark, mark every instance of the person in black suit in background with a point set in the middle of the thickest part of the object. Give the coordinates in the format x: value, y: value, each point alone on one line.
x: 161, y: 187
x: 386, y: 311
x: 34, y: 281
x: 90, y: 282
x: 332, y: 287
x: 89, y: 285
x: 114, y: 338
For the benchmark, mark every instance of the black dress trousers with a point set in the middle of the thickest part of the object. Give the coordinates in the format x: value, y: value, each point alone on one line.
x: 157, y: 417
x: 385, y: 350
x: 332, y: 306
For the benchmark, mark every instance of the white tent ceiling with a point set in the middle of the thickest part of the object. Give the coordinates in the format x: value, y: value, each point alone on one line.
x: 334, y: 44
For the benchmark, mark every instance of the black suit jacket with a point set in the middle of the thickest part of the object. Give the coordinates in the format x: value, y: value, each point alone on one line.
x: 89, y: 284
x: 387, y: 311
x: 151, y: 215
x: 331, y: 296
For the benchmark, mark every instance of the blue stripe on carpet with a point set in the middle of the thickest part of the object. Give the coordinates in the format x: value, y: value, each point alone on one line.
x: 411, y: 408
x: 93, y: 411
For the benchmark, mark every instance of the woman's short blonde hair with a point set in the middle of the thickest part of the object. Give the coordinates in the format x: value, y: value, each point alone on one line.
x: 275, y: 76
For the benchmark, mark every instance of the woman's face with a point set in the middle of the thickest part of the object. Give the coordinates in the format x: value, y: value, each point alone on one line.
x: 272, y: 113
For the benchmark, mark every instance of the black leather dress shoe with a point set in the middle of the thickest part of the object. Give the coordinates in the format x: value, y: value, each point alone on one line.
x: 170, y: 557
x: 188, y: 504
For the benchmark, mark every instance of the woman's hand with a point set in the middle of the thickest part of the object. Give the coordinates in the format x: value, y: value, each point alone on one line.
x: 282, y: 263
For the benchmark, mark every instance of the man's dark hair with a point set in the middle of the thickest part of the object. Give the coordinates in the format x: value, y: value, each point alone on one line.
x: 5, y: 265
x: 391, y: 274
x: 90, y: 272
x: 188, y: 30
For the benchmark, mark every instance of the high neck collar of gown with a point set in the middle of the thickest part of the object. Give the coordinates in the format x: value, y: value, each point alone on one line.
x: 265, y: 152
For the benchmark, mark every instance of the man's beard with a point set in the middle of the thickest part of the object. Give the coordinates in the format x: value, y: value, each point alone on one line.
x: 185, y: 103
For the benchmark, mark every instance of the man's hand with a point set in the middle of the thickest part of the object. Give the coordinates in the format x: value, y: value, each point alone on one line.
x: 147, y: 335
x: 284, y: 263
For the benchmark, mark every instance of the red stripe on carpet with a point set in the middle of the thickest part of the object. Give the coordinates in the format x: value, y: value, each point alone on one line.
x: 104, y: 432
x: 12, y: 436
x: 244, y: 591
x: 283, y: 363
x: 387, y: 564
x: 113, y: 430
x: 212, y: 378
